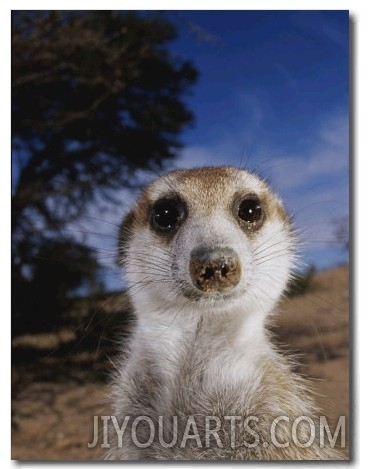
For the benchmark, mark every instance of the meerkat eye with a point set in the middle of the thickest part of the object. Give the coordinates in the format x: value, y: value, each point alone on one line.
x: 167, y: 214
x: 250, y: 210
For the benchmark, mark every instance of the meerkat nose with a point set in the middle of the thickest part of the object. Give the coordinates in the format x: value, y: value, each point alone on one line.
x: 217, y: 269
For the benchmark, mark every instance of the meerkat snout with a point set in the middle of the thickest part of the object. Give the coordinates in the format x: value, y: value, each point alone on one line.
x: 214, y: 270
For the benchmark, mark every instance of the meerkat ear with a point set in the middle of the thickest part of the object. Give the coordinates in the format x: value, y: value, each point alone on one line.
x: 125, y: 235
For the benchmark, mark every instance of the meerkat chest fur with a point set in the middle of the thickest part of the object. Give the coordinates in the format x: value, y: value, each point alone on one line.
x: 207, y: 254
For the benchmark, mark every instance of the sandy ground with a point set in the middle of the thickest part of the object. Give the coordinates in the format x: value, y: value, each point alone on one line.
x: 59, y: 380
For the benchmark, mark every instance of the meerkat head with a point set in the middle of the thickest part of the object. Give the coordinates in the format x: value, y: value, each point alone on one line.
x: 207, y: 239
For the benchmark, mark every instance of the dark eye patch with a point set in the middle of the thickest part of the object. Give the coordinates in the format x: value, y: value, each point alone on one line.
x: 248, y: 210
x: 167, y: 214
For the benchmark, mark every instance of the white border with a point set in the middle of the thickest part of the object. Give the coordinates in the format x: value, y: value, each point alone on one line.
x: 182, y: 5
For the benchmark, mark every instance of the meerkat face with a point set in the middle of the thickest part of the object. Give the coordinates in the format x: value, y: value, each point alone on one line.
x: 211, y: 238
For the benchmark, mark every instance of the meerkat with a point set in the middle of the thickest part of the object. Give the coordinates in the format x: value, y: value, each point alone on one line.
x: 208, y: 253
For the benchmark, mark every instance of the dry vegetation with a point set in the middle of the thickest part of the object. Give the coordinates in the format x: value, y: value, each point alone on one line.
x: 59, y: 379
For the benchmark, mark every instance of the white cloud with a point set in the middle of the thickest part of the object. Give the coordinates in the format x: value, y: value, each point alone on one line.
x: 327, y: 157
x: 192, y: 157
x: 313, y: 186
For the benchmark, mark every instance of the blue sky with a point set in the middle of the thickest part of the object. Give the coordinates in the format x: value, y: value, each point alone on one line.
x: 273, y: 97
